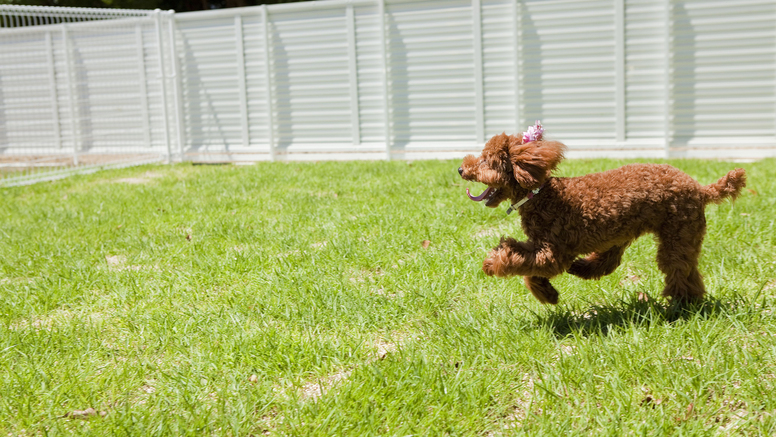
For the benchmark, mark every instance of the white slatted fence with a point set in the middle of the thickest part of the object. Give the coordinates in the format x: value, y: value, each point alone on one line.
x: 385, y: 79
x: 435, y: 78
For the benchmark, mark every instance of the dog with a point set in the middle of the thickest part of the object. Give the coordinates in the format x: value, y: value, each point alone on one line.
x: 582, y: 225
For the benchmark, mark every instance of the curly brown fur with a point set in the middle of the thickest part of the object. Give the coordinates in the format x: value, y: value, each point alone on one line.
x: 596, y: 216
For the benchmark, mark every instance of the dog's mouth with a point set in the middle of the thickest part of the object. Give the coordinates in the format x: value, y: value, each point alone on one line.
x: 489, y: 196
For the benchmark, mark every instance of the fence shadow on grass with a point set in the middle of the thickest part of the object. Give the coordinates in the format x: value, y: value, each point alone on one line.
x: 601, y: 319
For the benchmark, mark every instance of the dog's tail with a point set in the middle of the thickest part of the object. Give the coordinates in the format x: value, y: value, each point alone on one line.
x: 729, y: 185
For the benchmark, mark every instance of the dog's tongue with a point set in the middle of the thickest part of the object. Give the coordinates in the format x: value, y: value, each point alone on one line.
x: 481, y: 196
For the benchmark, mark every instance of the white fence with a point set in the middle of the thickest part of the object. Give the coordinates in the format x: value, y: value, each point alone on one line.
x: 374, y: 79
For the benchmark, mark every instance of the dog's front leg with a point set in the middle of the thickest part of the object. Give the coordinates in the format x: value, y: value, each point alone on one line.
x: 524, y: 258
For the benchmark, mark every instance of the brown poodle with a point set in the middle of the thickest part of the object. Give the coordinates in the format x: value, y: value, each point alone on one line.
x: 596, y: 216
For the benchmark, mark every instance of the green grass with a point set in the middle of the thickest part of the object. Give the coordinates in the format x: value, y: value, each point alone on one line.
x: 347, y: 299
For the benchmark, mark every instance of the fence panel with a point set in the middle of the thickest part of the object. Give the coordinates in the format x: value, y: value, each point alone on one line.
x: 311, y: 78
x: 723, y: 66
x: 431, y: 70
x: 369, y: 76
x: 645, y: 73
x: 568, y: 67
x: 500, y: 67
x: 211, y: 90
x: 622, y: 78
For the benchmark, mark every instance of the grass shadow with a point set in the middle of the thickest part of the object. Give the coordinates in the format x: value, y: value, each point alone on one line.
x: 602, y: 319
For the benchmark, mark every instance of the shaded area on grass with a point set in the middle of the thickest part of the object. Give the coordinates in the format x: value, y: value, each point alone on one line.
x: 636, y: 312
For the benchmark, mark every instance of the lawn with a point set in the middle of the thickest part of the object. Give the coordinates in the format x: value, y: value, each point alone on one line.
x: 347, y: 299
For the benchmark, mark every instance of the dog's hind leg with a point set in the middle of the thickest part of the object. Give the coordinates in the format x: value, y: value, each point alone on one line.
x: 541, y: 289
x: 678, y: 251
x: 598, y: 264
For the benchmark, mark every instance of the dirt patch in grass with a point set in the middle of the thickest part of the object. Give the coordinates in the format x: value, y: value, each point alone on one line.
x: 138, y: 180
x: 50, y: 320
x: 17, y: 280
x: 384, y: 348
x: 85, y: 414
x: 520, y: 409
x: 119, y: 263
x: 116, y: 262
x: 314, y: 390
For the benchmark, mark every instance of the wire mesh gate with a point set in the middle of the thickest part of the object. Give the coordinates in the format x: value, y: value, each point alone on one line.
x: 84, y: 89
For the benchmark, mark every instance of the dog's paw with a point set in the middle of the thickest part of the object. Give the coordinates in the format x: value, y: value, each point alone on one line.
x: 489, y: 266
x: 496, y: 263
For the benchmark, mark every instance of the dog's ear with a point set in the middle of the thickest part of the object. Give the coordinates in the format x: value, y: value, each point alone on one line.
x: 533, y: 163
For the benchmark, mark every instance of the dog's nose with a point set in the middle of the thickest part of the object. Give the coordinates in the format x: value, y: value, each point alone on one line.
x: 460, y: 171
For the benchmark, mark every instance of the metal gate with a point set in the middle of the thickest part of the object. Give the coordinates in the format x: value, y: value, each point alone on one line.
x: 82, y: 90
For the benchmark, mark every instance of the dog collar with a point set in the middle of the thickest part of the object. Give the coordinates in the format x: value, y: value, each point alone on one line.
x: 528, y: 197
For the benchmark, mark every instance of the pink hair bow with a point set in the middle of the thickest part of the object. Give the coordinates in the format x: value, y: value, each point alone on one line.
x: 534, y: 133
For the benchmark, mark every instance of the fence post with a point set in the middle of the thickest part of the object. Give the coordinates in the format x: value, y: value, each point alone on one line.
x: 516, y: 40
x: 160, y: 49
x: 355, y: 116
x: 384, y: 59
x: 176, y: 84
x: 667, y: 77
x: 70, y: 97
x: 144, y: 112
x: 52, y: 75
x: 619, y: 69
x: 268, y: 72
x: 238, y: 35
x: 479, y: 106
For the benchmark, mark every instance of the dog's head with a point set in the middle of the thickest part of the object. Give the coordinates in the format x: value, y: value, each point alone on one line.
x: 510, y: 168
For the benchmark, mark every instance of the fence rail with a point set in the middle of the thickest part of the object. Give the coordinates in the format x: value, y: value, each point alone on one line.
x: 375, y: 79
